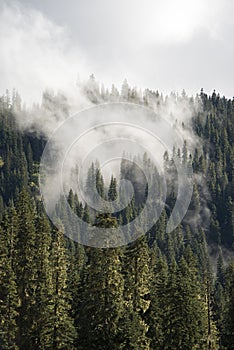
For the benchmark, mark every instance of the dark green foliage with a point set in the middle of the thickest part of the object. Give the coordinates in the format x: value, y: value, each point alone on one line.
x: 61, y: 325
x: 102, y: 302
x: 136, y: 293
x: 155, y: 312
x: 26, y: 268
x: 227, y: 338
x: 8, y: 286
x: 184, y: 315
x: 157, y: 293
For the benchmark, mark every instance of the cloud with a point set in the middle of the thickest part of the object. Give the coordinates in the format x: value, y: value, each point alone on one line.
x: 165, y: 22
x: 36, y: 53
x: 160, y: 44
x: 178, y: 21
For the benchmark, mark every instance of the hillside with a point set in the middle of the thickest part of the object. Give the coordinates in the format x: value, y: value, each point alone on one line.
x: 161, y: 290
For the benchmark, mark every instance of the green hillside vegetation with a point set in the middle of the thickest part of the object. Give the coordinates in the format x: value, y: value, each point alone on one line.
x: 162, y: 291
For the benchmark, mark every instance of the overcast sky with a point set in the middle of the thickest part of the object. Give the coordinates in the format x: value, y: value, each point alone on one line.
x: 161, y: 44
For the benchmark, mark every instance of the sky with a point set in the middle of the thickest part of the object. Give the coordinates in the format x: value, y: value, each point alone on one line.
x: 166, y: 45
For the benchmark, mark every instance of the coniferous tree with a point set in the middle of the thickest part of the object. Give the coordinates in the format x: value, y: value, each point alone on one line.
x: 154, y: 315
x: 228, y: 331
x: 8, y: 288
x: 26, y: 269
x: 102, y: 297
x: 44, y: 284
x: 112, y: 192
x: 62, y: 332
x: 184, y: 315
x: 137, y: 290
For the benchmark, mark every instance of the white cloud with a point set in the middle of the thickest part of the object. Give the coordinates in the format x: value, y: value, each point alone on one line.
x: 177, y: 21
x: 35, y: 53
x: 161, y: 44
x: 146, y: 22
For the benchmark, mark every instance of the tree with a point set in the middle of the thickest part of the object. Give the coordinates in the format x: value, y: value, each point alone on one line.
x: 125, y: 91
x: 26, y: 269
x: 112, y: 192
x: 100, y: 183
x: 8, y: 288
x: 155, y: 313
x: 136, y: 293
x: 44, y: 284
x: 184, y: 314
x: 62, y: 330
x: 228, y: 331
x: 102, y: 298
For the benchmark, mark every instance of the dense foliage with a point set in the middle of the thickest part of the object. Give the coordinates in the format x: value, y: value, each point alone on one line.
x: 163, y: 291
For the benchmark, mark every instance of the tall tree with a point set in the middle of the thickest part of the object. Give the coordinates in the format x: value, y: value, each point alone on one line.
x: 228, y: 331
x: 26, y: 269
x: 184, y: 314
x: 102, y: 297
x: 137, y: 290
x: 62, y: 332
x: 155, y: 313
x: 8, y: 288
x: 44, y: 288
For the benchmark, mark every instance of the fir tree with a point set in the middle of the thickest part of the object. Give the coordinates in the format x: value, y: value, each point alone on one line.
x: 44, y: 288
x: 137, y: 290
x: 155, y: 313
x: 8, y: 289
x: 102, y: 297
x: 184, y: 314
x: 62, y: 332
x: 26, y: 269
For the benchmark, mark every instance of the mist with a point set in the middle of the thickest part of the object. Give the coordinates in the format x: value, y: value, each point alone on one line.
x: 37, y: 54
x: 50, y: 71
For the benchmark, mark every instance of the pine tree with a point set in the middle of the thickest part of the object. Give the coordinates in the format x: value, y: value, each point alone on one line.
x: 112, y: 192
x: 100, y: 183
x: 76, y: 262
x: 137, y: 289
x: 8, y: 288
x: 228, y: 331
x: 62, y: 330
x: 26, y: 269
x: 184, y: 314
x: 154, y: 315
x: 44, y: 287
x: 125, y: 90
x: 102, y: 297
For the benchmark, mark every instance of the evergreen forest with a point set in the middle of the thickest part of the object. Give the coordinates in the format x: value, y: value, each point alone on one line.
x: 162, y: 291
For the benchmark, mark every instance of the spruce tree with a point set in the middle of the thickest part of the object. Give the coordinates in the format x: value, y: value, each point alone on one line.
x: 155, y: 313
x: 184, y: 313
x: 26, y: 269
x: 8, y: 288
x: 62, y: 329
x: 112, y: 192
x: 102, y: 296
x: 137, y: 290
x: 228, y: 331
x: 44, y: 284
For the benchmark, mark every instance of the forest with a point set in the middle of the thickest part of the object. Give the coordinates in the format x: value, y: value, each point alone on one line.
x: 162, y: 291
